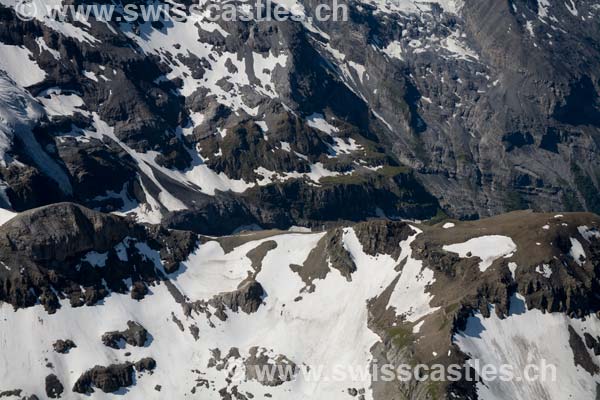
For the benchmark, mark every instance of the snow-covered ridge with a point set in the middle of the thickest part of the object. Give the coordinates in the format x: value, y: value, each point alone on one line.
x: 522, y: 339
x: 326, y: 326
x: 416, y: 6
x: 336, y: 297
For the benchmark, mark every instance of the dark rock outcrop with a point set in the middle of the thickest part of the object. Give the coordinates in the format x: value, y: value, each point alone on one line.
x: 108, y: 379
x: 383, y: 237
x: 113, y: 377
x: 247, y: 298
x: 134, y: 335
x: 285, y: 369
x: 145, y: 365
x: 53, y: 252
x: 580, y: 354
x: 58, y: 232
x: 54, y: 387
x: 63, y: 346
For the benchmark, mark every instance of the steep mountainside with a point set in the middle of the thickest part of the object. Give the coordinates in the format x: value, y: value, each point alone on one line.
x: 184, y: 200
x: 190, y: 316
x: 480, y: 108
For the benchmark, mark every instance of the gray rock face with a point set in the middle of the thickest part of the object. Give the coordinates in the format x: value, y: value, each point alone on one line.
x: 247, y: 298
x: 54, y: 388
x: 476, y: 125
x: 58, y: 232
x: 63, y: 346
x: 113, y: 377
x: 145, y: 364
x: 108, y: 379
x: 134, y: 335
x: 489, y: 119
x: 52, y: 252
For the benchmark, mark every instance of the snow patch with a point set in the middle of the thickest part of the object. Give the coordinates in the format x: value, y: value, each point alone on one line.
x: 394, y: 50
x: 455, y: 45
x: 512, y: 267
x: 18, y: 63
x: 588, y: 233
x: 410, y: 297
x: 57, y: 103
x: 523, y: 338
x: 577, y: 251
x: 317, y: 121
x: 544, y: 270
x: 6, y: 215
x: 487, y: 248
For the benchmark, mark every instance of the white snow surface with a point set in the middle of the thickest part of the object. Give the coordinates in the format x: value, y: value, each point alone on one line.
x: 528, y: 337
x: 324, y: 328
x: 412, y: 285
x: 588, y: 233
x: 6, y: 215
x: 394, y: 50
x: 455, y: 45
x: 17, y: 62
x: 512, y: 267
x: 577, y: 251
x: 317, y: 121
x: 544, y: 270
x: 57, y: 103
x: 488, y: 248
x: 18, y: 114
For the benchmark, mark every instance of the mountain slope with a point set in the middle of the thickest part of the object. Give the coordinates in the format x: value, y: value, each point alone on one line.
x: 183, y: 116
x: 348, y: 296
x: 184, y: 203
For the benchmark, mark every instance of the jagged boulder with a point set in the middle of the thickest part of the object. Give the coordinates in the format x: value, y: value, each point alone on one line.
x: 247, y: 298
x: 108, y: 379
x: 134, y: 335
x: 54, y: 388
x: 63, y: 346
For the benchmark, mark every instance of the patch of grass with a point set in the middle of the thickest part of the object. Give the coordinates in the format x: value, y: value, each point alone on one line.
x: 448, y: 315
x: 391, y: 171
x: 451, y: 308
x: 439, y: 217
x: 373, y: 153
x: 352, y: 179
x: 401, y: 336
x: 514, y: 201
x: 434, y: 389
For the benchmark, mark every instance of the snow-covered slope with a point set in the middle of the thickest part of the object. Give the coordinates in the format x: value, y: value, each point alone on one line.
x: 122, y: 142
x: 324, y: 307
x: 530, y: 337
x: 19, y: 113
x: 326, y: 325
